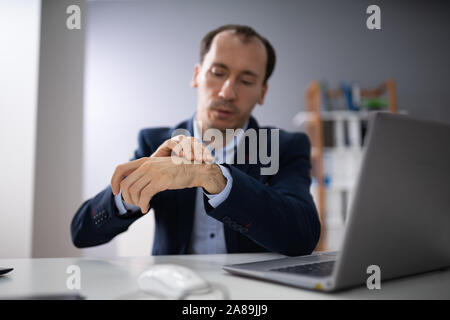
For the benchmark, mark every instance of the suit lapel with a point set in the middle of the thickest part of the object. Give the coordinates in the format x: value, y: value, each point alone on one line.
x: 231, y: 237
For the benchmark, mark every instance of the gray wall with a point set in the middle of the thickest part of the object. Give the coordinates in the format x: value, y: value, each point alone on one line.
x: 140, y: 57
x: 59, y: 144
x: 157, y: 41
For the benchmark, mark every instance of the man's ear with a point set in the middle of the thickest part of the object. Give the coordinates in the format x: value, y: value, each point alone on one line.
x: 194, y: 81
x: 263, y: 93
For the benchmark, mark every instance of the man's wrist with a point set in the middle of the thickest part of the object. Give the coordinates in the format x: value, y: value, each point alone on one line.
x: 210, y: 178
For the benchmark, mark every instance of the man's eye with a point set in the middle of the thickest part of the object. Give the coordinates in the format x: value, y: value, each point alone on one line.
x: 218, y: 73
x: 247, y: 83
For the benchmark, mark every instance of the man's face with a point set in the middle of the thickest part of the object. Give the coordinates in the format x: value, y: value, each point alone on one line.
x: 230, y: 81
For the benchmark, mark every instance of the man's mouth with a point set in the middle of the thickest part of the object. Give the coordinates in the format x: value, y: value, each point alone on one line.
x: 222, y: 112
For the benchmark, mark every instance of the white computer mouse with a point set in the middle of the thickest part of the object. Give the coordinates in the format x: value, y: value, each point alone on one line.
x: 171, y: 281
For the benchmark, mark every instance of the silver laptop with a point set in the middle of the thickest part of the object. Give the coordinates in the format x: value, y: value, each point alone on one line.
x: 399, y: 219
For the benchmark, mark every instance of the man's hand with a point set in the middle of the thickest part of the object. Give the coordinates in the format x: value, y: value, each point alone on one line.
x: 188, y: 148
x: 147, y: 176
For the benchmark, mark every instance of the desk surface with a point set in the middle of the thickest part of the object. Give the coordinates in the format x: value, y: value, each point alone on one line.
x: 117, y: 279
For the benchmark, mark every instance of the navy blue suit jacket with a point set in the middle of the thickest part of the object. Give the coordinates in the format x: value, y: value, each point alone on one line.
x: 262, y: 213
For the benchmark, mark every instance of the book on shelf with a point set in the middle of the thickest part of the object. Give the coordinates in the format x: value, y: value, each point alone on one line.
x: 344, y: 133
x: 350, y: 97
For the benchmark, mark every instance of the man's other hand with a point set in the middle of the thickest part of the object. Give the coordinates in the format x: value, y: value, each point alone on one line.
x: 188, y: 148
x: 147, y: 176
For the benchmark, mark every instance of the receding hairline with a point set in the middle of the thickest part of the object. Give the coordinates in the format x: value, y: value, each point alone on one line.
x: 246, y: 34
x: 244, y: 38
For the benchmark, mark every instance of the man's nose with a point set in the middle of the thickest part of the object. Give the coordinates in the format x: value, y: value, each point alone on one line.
x: 227, y: 91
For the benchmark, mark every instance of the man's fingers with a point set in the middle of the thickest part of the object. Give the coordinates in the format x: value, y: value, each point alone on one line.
x: 137, y: 187
x: 194, y: 150
x: 122, y: 171
x: 185, y: 147
x: 166, y: 148
x: 176, y: 144
x: 177, y: 150
x: 197, y: 151
x: 186, y: 144
x: 204, y: 154
x: 208, y: 157
x: 127, y: 183
x: 146, y: 194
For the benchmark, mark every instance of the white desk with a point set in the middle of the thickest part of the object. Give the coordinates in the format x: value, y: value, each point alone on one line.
x: 116, y: 279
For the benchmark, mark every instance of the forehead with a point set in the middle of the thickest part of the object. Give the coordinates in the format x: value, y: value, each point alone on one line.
x: 229, y: 48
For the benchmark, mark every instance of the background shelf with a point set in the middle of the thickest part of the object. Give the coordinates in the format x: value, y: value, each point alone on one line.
x: 337, y: 139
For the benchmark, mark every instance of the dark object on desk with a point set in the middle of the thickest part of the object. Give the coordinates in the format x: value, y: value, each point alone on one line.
x: 57, y: 296
x: 5, y: 270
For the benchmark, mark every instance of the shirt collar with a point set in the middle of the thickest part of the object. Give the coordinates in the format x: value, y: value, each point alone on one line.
x: 221, y: 154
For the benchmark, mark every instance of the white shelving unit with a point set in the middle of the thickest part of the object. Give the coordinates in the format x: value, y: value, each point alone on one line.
x: 337, y: 147
x: 341, y: 165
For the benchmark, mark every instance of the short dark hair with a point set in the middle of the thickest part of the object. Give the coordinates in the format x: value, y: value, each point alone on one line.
x: 247, y: 33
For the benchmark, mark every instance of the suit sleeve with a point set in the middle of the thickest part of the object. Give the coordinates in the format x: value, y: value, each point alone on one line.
x: 280, y: 214
x: 98, y: 221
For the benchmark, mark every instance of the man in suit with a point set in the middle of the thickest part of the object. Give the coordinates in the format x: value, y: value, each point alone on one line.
x: 210, y: 202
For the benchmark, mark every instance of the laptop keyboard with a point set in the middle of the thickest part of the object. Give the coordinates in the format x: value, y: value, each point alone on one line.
x: 320, y: 269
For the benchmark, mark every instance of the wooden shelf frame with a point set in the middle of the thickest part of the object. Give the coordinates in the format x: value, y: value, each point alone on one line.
x: 314, y: 130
